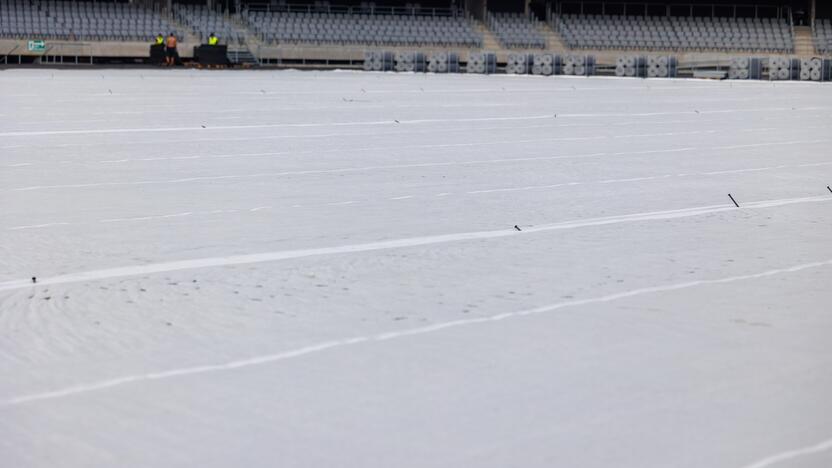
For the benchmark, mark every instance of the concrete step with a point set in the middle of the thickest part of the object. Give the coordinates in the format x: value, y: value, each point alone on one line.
x: 252, y: 42
x: 489, y: 40
x: 553, y: 40
x: 804, y: 43
x: 243, y: 57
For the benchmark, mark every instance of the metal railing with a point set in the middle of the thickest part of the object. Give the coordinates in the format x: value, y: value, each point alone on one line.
x: 644, y: 7
x: 353, y: 10
x: 791, y: 26
x: 64, y: 50
x: 7, y: 54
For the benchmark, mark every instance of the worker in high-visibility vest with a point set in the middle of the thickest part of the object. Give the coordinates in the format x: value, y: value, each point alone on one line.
x: 160, y: 39
x: 213, y: 39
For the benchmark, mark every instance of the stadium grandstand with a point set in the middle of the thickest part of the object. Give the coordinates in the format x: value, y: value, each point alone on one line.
x: 341, y: 33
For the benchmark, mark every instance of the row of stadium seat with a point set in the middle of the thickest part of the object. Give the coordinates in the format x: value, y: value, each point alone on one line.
x: 203, y: 21
x: 696, y: 33
x: 365, y: 8
x: 516, y: 30
x: 340, y: 28
x: 823, y: 36
x: 79, y: 20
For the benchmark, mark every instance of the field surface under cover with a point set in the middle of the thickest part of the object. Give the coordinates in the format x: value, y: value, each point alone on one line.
x: 304, y: 269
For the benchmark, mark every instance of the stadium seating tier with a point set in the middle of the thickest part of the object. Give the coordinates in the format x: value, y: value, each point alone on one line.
x: 680, y: 33
x: 23, y: 19
x: 362, y: 29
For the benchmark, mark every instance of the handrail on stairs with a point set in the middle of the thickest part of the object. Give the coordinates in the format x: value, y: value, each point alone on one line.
x: 791, y: 26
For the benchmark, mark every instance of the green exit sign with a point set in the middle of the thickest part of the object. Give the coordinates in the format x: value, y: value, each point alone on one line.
x: 37, y: 45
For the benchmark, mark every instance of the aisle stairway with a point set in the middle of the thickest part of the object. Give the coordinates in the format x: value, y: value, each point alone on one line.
x: 242, y: 56
x: 804, y: 45
x: 553, y: 40
x: 489, y: 40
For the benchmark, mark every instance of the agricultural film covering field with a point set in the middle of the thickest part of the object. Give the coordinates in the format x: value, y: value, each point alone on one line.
x: 322, y: 269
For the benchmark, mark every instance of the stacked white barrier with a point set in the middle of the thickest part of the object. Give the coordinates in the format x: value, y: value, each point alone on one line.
x: 481, y: 62
x: 745, y: 68
x: 519, y: 63
x: 814, y: 69
x: 410, y: 62
x: 630, y: 65
x: 546, y: 64
x: 378, y: 60
x: 662, y: 66
x: 579, y: 65
x: 443, y: 62
x: 738, y: 69
x: 782, y: 68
